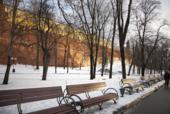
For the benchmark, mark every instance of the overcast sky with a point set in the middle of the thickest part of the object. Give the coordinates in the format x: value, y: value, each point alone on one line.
x: 165, y: 13
x: 165, y: 10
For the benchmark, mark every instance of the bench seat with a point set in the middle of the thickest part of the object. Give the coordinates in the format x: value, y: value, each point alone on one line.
x: 98, y: 100
x: 62, y: 109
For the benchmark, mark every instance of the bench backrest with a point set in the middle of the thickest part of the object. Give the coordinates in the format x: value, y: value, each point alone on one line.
x: 83, y: 88
x: 145, y: 78
x: 130, y: 80
x: 151, y: 77
x: 9, y: 97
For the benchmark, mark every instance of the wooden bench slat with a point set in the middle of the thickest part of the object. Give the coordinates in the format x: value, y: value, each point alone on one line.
x: 97, y: 100
x: 38, y: 98
x: 9, y: 99
x: 57, y: 88
x: 63, y: 109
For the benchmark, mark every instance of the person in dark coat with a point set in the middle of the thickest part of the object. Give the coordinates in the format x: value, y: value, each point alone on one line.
x: 166, y: 78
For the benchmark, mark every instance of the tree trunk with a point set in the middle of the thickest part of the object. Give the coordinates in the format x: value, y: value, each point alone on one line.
x: 94, y: 70
x: 111, y: 59
x: 38, y: 53
x: 102, y: 72
x: 133, y: 69
x: 95, y: 63
x: 65, y: 54
x: 9, y: 61
x: 45, y: 64
x: 112, y: 48
x: 105, y: 58
x: 92, y: 76
x: 161, y: 65
x: 122, y: 53
x: 139, y: 70
x: 143, y: 70
x: 96, y: 55
x: 132, y: 62
x: 67, y: 63
x: 68, y: 57
x: 6, y: 78
x: 130, y: 67
x: 150, y: 71
x: 56, y: 56
x: 91, y: 71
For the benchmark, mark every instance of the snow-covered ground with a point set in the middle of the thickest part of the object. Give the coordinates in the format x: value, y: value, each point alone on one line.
x: 27, y: 77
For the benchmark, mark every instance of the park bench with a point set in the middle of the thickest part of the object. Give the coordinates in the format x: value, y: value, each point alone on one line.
x: 19, y: 96
x: 147, y: 81
x: 154, y: 78
x: 151, y: 79
x: 158, y: 77
x: 130, y: 85
x: 82, y: 93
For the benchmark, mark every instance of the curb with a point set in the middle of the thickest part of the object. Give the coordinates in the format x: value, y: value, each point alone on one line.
x: 137, y: 101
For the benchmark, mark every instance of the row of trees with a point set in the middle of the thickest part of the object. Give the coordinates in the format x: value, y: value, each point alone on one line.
x: 149, y: 39
x: 157, y: 62
x: 98, y: 21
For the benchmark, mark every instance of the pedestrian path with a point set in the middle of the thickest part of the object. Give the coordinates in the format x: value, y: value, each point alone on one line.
x: 157, y: 103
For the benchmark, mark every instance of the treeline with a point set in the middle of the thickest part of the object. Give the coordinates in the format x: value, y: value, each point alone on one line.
x: 100, y: 22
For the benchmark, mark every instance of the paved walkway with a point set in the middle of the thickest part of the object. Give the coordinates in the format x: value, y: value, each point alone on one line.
x: 157, y: 103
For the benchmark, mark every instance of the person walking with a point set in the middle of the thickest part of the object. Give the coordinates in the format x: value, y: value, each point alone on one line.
x: 166, y: 78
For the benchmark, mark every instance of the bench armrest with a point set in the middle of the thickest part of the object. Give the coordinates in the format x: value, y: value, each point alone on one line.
x: 121, y: 83
x: 113, y: 91
x: 127, y: 85
x: 65, y: 92
x: 76, y: 102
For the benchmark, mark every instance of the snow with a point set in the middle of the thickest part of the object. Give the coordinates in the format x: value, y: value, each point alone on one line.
x: 27, y: 77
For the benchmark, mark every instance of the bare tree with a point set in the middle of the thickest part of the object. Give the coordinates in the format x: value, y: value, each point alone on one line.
x: 159, y: 60
x: 145, y: 14
x: 114, y: 13
x: 164, y: 55
x: 123, y: 29
x: 13, y: 31
x: 44, y: 15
